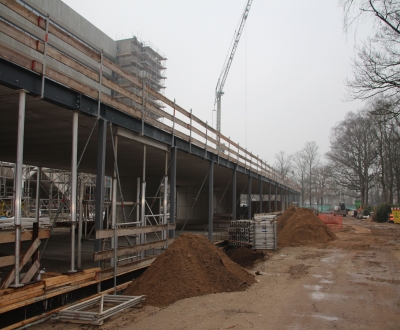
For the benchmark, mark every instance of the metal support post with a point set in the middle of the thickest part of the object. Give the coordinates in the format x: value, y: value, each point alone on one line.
x: 38, y: 179
x: 210, y: 200
x: 234, y: 193
x: 114, y: 196
x: 261, y: 196
x: 101, y: 164
x: 143, y: 201
x: 269, y: 196
x: 18, y: 185
x: 172, y: 193
x: 80, y: 222
x: 249, y: 199
x: 282, y: 198
x: 137, y: 206
x: 74, y: 182
x: 276, y: 197
x: 165, y: 196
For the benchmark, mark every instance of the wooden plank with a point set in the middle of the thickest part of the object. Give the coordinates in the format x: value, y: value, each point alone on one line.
x: 109, y: 272
x: 107, y: 254
x: 21, y: 10
x: 62, y: 280
x: 9, y: 237
x: 17, y: 34
x: 25, y: 258
x: 108, y: 233
x: 7, y: 261
x: 31, y: 272
x: 15, y: 57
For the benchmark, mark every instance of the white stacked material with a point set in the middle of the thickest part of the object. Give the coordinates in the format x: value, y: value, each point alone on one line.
x: 25, y: 222
x: 260, y: 234
x: 265, y: 234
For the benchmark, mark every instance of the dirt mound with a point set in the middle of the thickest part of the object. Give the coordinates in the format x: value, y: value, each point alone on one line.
x: 246, y: 257
x: 191, y: 266
x: 302, y: 227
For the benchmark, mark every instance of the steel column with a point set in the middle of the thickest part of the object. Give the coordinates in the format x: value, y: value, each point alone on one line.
x: 18, y: 184
x: 269, y: 196
x: 74, y: 183
x: 249, y: 198
x: 80, y: 222
x: 143, y: 200
x: 210, y: 200
x: 101, y: 164
x: 261, y: 196
x: 172, y: 193
x: 114, y: 195
x: 38, y: 179
x: 165, y: 196
x: 234, y: 193
x: 276, y: 197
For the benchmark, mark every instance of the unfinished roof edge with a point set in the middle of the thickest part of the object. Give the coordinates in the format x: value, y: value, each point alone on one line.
x: 74, y: 23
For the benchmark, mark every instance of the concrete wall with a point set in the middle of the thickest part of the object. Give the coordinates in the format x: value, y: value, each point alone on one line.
x: 73, y: 22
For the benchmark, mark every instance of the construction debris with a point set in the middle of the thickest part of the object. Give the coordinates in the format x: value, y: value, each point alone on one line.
x: 191, y: 266
x: 298, y: 226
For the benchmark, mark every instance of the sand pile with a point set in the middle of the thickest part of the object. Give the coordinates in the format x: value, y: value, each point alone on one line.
x: 191, y: 266
x: 246, y: 257
x: 297, y: 226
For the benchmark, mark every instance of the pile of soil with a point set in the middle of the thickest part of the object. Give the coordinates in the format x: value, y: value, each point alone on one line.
x: 246, y: 257
x: 298, y: 226
x: 191, y: 266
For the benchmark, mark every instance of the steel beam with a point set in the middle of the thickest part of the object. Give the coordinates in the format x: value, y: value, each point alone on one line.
x: 101, y: 164
x: 210, y: 200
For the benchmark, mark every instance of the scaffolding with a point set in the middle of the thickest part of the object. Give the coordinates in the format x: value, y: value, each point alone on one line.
x: 146, y: 62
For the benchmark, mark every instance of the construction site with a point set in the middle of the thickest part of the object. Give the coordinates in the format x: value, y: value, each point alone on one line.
x: 111, y: 194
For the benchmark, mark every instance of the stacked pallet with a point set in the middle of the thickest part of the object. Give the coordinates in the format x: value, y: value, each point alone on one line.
x: 260, y: 233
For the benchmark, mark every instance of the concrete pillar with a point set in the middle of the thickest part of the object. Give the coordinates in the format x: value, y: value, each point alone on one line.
x: 172, y: 192
x: 249, y: 198
x: 210, y: 200
x: 234, y: 193
x: 100, y: 173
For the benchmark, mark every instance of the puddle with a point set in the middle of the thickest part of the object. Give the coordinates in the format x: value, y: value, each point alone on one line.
x: 326, y: 296
x: 313, y: 287
x: 326, y: 282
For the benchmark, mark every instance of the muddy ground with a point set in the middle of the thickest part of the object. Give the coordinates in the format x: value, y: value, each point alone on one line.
x: 350, y: 283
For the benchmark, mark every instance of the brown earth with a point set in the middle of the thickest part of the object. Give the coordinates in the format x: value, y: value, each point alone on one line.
x: 349, y: 283
x: 192, y: 266
x: 298, y: 226
x: 246, y: 257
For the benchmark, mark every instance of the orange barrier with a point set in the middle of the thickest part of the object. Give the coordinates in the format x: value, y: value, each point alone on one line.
x: 334, y: 222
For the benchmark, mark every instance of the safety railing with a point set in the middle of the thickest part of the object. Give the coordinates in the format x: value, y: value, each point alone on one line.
x: 46, y: 50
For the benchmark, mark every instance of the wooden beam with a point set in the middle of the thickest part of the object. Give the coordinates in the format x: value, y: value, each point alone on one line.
x: 107, y: 233
x: 31, y: 272
x: 25, y: 258
x: 7, y: 261
x: 9, y: 237
x: 107, y: 254
x: 109, y: 272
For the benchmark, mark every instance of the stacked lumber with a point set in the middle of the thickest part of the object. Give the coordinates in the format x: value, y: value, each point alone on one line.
x: 13, y: 298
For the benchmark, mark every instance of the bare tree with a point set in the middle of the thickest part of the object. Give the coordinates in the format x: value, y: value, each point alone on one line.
x: 300, y: 171
x: 353, y: 154
x: 283, y: 164
x: 377, y: 65
x: 311, y: 158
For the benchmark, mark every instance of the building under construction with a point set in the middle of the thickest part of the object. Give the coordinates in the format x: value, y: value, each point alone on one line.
x: 99, y: 170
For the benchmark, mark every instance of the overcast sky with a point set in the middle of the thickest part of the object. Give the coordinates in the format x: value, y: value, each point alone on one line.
x: 286, y: 84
